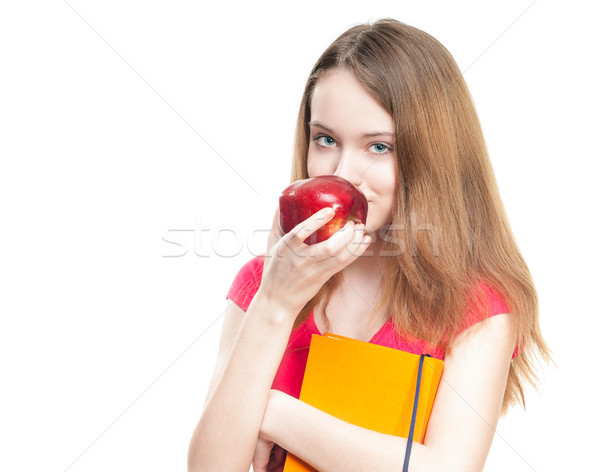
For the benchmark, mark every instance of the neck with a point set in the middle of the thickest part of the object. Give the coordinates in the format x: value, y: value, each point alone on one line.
x: 362, y: 275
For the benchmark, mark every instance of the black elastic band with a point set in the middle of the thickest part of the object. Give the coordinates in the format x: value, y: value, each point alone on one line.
x: 414, y: 415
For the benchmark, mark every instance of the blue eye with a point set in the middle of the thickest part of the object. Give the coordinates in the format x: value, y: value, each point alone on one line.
x: 328, y: 141
x: 381, y: 148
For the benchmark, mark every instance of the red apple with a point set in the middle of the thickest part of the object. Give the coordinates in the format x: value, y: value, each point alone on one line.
x: 304, y: 198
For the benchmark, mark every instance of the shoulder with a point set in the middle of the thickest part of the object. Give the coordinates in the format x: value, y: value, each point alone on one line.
x: 246, y: 282
x: 252, y: 268
x: 484, y: 302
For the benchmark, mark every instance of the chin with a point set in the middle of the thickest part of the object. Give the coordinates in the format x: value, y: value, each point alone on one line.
x: 371, y: 229
x: 374, y: 227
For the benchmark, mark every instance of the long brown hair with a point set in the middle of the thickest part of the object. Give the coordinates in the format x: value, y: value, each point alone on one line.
x: 448, y: 219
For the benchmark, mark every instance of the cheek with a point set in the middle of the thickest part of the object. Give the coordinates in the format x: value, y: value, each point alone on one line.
x: 310, y: 167
x: 382, y: 178
x: 310, y: 164
x: 316, y: 165
x: 385, y: 185
x: 391, y: 197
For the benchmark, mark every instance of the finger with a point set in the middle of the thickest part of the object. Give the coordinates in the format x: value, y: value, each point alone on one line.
x: 360, y: 242
x: 346, y: 245
x: 257, y: 466
x: 304, y: 229
x: 340, y: 239
x: 276, y: 227
x: 261, y: 456
x: 275, y: 234
x: 260, y: 459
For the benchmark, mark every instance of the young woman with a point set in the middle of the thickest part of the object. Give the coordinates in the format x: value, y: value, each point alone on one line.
x: 435, y: 270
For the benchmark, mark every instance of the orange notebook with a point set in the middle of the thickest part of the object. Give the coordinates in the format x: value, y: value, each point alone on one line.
x: 367, y: 385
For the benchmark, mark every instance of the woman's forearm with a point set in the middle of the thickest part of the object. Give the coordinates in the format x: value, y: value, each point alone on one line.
x: 226, y: 434
x: 330, y: 444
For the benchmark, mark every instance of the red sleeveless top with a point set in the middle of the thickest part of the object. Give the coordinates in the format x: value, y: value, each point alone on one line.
x: 290, y: 373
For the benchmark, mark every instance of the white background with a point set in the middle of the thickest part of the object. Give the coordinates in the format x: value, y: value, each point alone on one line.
x: 122, y: 122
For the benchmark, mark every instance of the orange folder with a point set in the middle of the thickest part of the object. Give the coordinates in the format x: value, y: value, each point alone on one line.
x: 367, y: 385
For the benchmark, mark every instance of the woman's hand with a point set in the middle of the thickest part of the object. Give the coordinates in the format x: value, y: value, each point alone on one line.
x: 294, y: 271
x: 268, y: 456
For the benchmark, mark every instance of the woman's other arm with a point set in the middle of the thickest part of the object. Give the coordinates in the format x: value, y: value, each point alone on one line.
x: 469, y: 399
x: 250, y: 351
x: 459, y: 433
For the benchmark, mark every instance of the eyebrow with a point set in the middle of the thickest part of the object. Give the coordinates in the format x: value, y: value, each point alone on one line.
x: 366, y: 135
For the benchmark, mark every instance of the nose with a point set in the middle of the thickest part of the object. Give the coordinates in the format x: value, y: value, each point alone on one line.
x: 349, y: 168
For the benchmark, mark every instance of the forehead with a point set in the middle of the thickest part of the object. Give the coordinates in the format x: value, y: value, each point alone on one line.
x: 340, y: 100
